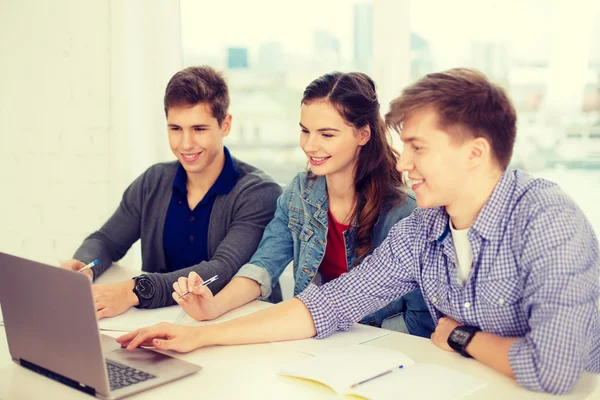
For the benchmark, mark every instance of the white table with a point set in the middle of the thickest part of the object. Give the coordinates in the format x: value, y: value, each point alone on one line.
x: 250, y: 372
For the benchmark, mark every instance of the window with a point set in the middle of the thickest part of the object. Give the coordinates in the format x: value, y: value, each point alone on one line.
x: 545, y: 53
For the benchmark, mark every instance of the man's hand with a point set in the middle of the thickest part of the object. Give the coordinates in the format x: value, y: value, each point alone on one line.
x: 199, y: 303
x: 76, y: 265
x: 114, y: 298
x: 443, y: 329
x: 164, y: 336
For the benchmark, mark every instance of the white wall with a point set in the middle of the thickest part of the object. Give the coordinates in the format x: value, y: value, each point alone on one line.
x: 81, y: 88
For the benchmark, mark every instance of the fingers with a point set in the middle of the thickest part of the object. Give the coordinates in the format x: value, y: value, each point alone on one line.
x: 181, y: 286
x: 202, y: 291
x: 128, y: 337
x: 90, y: 274
x: 145, y: 336
x: 74, y: 265
x: 194, y: 280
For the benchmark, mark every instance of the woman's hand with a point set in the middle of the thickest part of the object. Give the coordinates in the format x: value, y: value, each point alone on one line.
x: 199, y: 303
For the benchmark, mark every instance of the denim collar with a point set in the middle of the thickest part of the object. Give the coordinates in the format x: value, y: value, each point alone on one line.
x: 315, y: 193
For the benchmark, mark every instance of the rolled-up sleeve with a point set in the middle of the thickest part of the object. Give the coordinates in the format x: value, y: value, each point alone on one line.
x: 382, y: 277
x: 560, y: 258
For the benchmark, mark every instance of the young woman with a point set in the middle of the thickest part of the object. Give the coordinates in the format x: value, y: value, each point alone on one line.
x: 329, y: 218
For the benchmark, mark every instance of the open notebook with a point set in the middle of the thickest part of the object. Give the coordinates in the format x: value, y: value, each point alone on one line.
x: 343, y: 370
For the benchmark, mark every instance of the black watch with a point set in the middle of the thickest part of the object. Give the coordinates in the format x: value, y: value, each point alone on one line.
x: 144, y: 290
x: 460, y: 338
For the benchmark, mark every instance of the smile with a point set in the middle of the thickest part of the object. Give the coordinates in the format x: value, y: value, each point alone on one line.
x: 191, y: 156
x: 317, y: 161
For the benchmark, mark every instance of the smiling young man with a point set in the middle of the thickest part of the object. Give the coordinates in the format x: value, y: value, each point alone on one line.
x: 507, y: 263
x: 205, y: 212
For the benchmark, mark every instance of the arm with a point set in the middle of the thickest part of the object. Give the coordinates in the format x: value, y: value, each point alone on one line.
x: 118, y: 234
x: 255, y: 206
x: 487, y: 348
x: 289, y: 320
x: 560, y: 256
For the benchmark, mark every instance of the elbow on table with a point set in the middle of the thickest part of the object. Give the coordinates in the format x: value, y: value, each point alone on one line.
x: 555, y: 379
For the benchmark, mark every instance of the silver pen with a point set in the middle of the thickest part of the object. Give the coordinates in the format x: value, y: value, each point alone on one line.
x: 206, y: 282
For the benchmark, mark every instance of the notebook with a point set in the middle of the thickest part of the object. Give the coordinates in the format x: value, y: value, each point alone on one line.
x: 380, y: 374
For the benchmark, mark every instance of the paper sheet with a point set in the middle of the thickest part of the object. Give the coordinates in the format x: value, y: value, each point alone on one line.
x: 138, y: 318
x: 415, y: 382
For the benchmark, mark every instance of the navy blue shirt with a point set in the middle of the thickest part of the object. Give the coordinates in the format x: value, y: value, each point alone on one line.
x: 185, y: 236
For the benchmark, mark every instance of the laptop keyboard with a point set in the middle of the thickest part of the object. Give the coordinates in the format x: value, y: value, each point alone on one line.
x: 120, y: 375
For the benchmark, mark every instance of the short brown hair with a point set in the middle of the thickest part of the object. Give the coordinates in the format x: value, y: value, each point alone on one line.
x: 462, y: 98
x: 195, y: 85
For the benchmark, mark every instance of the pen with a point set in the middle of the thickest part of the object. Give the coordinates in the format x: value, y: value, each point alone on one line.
x: 377, y: 376
x: 90, y: 265
x: 206, y: 282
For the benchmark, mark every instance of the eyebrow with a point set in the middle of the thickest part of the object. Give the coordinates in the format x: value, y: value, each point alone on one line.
x: 411, y: 139
x: 320, y: 129
x: 193, y: 126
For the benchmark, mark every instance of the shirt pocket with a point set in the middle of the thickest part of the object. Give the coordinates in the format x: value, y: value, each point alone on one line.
x: 501, y: 300
x: 305, y: 235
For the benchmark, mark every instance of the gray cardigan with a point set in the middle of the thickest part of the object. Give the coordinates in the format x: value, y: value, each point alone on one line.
x: 236, y: 225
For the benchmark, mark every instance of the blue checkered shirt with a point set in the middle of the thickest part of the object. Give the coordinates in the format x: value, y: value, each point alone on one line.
x: 535, y: 276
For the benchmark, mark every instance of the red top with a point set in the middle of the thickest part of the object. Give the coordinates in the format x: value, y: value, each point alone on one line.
x: 334, y: 261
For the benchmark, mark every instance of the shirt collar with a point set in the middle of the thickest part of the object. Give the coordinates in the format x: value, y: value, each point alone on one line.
x: 487, y: 222
x: 315, y: 193
x: 225, y: 182
x: 492, y: 215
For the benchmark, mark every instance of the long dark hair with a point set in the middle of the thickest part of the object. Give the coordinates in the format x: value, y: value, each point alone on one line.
x: 376, y: 181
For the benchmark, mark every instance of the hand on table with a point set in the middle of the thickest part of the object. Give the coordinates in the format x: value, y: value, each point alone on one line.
x: 163, y: 336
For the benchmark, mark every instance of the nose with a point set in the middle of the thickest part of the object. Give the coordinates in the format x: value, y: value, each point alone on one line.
x: 186, y: 140
x: 405, y: 162
x: 309, y: 143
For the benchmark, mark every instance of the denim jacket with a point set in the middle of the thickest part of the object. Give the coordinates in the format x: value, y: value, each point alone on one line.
x: 298, y: 234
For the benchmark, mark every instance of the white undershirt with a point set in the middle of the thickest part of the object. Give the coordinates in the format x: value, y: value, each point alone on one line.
x: 464, y: 254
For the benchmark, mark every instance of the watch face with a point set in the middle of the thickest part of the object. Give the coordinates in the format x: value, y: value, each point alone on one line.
x: 459, y: 336
x: 144, y: 288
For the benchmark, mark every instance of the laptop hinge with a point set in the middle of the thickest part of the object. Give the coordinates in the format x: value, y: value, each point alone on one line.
x: 58, y: 377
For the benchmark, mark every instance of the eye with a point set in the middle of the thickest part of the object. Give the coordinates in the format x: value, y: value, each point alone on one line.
x: 199, y: 129
x: 174, y: 128
x: 304, y: 131
x: 417, y: 148
x: 327, y: 135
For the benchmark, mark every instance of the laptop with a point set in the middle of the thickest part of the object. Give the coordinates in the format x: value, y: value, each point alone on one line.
x: 51, y: 328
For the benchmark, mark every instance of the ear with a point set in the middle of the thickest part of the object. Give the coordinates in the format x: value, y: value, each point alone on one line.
x: 226, y: 125
x: 364, y: 135
x: 479, y: 151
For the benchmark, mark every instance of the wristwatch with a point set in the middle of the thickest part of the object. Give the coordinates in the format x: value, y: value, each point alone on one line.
x: 144, y: 290
x: 460, y: 338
